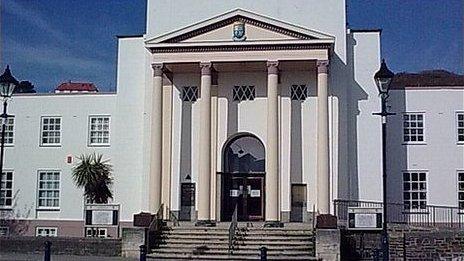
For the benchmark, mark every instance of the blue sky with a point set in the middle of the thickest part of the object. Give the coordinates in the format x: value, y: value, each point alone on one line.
x: 49, y: 42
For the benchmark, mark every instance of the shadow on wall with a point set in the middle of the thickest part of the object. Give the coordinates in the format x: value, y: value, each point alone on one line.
x: 349, y: 94
x: 397, y: 153
x: 187, y: 206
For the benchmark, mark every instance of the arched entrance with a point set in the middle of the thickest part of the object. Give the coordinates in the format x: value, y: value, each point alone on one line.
x: 243, y: 178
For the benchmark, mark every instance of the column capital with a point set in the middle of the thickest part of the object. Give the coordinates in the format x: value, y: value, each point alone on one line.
x: 206, y: 68
x: 322, y: 66
x: 272, y: 67
x: 157, y: 69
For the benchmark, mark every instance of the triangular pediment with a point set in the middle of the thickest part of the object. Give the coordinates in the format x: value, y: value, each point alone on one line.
x: 256, y: 28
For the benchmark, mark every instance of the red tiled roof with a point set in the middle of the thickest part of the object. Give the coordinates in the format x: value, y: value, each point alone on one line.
x: 432, y: 78
x: 77, y: 86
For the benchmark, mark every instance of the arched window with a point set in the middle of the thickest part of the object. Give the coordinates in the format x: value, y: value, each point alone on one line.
x: 244, y: 154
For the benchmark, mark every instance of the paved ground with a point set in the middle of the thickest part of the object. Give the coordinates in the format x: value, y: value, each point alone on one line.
x: 37, y: 257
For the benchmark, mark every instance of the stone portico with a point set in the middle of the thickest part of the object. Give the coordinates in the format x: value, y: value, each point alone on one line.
x: 206, y: 52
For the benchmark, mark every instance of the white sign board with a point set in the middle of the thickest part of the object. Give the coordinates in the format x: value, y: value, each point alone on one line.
x: 102, y: 217
x: 234, y: 193
x: 363, y: 218
x: 255, y: 193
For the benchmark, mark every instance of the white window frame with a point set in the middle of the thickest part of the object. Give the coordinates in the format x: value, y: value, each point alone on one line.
x: 190, y: 93
x: 12, y: 131
x: 89, y: 141
x: 12, y: 189
x: 458, y: 128
x: 42, y: 131
x: 39, y: 189
x: 5, y: 228
x: 458, y: 190
x: 55, y: 229
x: 419, y: 209
x: 243, y: 89
x: 295, y: 88
x: 424, y: 141
x: 89, y: 230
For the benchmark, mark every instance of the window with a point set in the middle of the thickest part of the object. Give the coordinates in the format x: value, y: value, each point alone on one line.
x: 4, y: 231
x: 46, y: 232
x: 99, y: 130
x: 6, y: 189
x: 461, y: 190
x: 414, y: 190
x: 413, y: 128
x: 299, y: 92
x: 51, y: 131
x: 460, y: 126
x: 96, y: 232
x: 243, y: 93
x: 9, y: 131
x: 189, y: 93
x: 49, y: 189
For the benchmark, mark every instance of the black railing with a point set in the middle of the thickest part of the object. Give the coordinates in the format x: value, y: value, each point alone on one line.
x: 418, y: 215
x: 232, y: 230
x: 174, y: 219
x: 155, y: 228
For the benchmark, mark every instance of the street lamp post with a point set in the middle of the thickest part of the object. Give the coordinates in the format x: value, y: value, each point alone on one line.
x: 383, y: 80
x: 7, y: 85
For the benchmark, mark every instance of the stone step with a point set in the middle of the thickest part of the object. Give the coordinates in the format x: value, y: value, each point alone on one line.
x: 235, y: 251
x: 226, y: 246
x: 238, y: 242
x: 166, y: 256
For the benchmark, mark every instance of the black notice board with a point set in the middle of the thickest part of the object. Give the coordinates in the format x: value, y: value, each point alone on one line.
x: 187, y: 194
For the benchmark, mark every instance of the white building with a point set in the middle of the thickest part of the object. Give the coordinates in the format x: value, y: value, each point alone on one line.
x: 259, y: 104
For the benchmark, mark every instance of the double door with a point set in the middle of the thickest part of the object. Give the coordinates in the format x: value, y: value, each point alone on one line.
x: 247, y: 194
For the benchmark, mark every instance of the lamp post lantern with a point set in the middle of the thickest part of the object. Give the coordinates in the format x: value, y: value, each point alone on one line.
x: 7, y: 86
x: 383, y: 79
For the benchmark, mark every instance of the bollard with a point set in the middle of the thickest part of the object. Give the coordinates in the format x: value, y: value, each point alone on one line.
x: 263, y: 253
x: 47, y: 254
x: 143, y: 253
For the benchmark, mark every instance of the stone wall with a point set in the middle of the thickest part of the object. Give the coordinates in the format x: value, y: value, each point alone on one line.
x: 406, y: 242
x: 426, y: 244
x: 62, y: 245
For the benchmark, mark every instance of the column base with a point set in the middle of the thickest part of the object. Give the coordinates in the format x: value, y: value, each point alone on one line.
x: 205, y: 223
x: 273, y: 224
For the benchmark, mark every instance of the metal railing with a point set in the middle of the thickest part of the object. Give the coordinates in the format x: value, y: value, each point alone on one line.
x: 232, y: 230
x: 174, y: 219
x: 155, y: 228
x: 420, y: 215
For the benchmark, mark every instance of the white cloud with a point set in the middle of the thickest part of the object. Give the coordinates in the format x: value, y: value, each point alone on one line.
x: 33, y: 18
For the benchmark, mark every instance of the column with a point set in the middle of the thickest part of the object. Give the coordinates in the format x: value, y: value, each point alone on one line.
x: 155, y: 178
x: 166, y: 141
x: 323, y: 178
x: 272, y: 148
x: 204, y: 175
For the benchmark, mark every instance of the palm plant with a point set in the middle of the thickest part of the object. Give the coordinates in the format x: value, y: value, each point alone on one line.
x: 94, y: 175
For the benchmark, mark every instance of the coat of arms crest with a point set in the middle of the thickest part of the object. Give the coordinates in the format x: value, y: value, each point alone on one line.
x: 239, y: 31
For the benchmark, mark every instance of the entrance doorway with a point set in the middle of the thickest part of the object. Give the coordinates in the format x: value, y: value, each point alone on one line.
x: 243, y: 179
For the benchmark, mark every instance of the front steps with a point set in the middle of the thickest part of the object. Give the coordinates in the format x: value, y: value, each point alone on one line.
x: 292, y: 242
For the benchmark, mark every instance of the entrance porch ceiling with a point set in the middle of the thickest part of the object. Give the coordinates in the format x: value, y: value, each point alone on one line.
x: 250, y: 66
x: 244, y: 56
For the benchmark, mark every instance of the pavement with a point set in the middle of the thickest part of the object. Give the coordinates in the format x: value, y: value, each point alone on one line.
x: 40, y: 257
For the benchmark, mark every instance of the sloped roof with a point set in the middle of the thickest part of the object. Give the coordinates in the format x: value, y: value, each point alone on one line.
x: 429, y: 78
x: 232, y: 16
x: 77, y: 86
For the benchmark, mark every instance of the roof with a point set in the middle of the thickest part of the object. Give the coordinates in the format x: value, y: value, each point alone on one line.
x: 77, y: 86
x: 429, y: 78
x: 230, y: 17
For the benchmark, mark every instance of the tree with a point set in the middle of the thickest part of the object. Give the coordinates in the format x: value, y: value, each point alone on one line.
x: 94, y: 175
x: 24, y: 87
